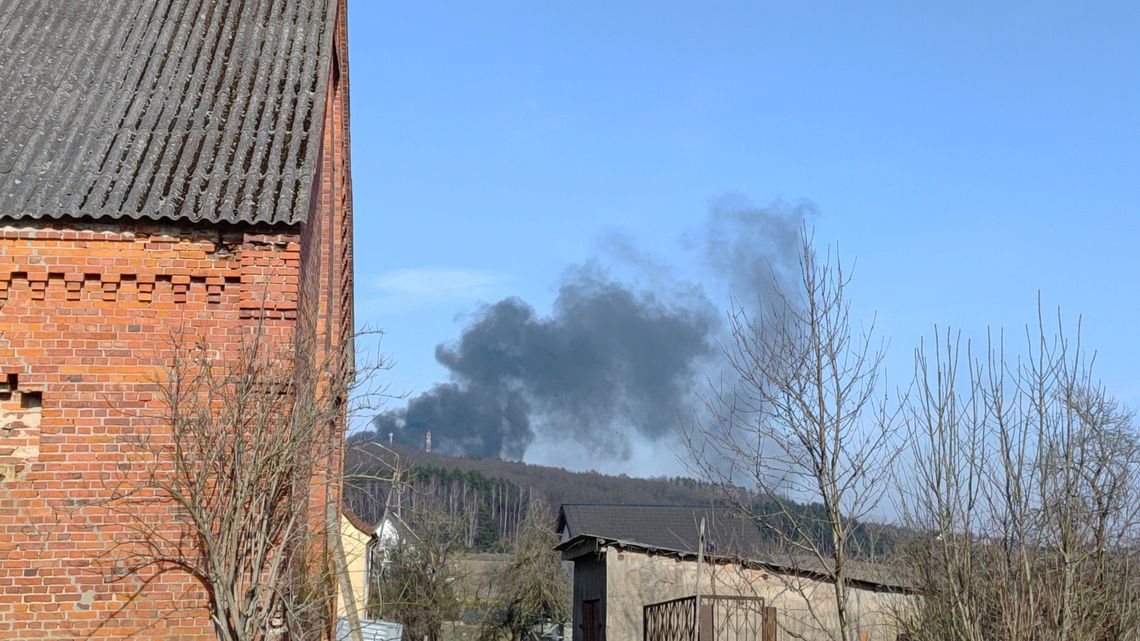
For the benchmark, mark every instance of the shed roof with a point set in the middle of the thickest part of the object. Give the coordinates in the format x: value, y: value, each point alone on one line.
x: 198, y: 110
x: 673, y: 528
x: 730, y: 537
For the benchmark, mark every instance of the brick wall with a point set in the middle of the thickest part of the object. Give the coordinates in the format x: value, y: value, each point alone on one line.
x: 86, y: 312
x: 327, y: 267
x: 327, y: 234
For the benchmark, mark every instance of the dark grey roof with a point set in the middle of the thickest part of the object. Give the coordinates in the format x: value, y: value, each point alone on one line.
x: 202, y: 110
x: 730, y: 536
x: 665, y: 527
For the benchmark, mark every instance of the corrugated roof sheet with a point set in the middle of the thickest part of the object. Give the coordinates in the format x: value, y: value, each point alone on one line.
x: 199, y: 110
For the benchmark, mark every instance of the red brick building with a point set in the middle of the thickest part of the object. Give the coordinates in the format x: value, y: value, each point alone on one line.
x: 165, y: 166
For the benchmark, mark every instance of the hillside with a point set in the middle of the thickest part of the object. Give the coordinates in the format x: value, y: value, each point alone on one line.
x: 558, y: 485
x: 488, y: 498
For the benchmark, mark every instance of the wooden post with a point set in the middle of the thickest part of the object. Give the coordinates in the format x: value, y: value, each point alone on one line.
x: 706, y: 623
x: 769, y: 631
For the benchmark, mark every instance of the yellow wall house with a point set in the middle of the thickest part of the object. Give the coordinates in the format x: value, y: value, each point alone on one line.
x: 366, y: 545
x: 357, y: 538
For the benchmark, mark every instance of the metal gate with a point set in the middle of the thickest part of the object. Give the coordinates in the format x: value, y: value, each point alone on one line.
x: 722, y: 618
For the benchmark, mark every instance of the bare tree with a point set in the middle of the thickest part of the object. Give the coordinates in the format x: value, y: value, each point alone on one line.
x: 1024, y: 473
x: 234, y: 479
x: 799, y: 423
x: 417, y: 577
x: 533, y: 588
x: 940, y: 493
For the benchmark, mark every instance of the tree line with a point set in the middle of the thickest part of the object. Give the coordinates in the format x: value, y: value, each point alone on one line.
x: 488, y: 500
x: 486, y: 513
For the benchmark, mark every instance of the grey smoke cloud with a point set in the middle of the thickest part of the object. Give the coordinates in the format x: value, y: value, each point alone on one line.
x: 613, y: 364
x: 753, y: 249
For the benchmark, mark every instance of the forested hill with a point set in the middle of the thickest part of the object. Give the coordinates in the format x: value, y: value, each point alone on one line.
x: 557, y: 485
x: 492, y: 494
x: 488, y: 498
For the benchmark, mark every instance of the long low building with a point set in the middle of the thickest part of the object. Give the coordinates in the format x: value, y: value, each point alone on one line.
x: 629, y: 556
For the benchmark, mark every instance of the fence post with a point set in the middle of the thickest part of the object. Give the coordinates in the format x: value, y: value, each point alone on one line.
x: 706, y: 623
x: 769, y: 624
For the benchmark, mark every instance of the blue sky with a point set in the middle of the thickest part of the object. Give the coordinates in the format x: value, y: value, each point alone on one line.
x: 966, y: 154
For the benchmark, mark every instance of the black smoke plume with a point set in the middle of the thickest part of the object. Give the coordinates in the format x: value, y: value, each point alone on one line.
x: 612, y: 364
x: 608, y: 361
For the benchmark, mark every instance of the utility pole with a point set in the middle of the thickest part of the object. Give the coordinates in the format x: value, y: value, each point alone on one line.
x: 697, y: 597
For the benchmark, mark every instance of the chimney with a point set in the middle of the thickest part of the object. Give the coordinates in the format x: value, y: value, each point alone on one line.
x: 390, y: 437
x: 429, y: 441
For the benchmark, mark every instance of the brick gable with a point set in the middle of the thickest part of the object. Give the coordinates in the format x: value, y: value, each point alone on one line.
x: 86, y: 307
